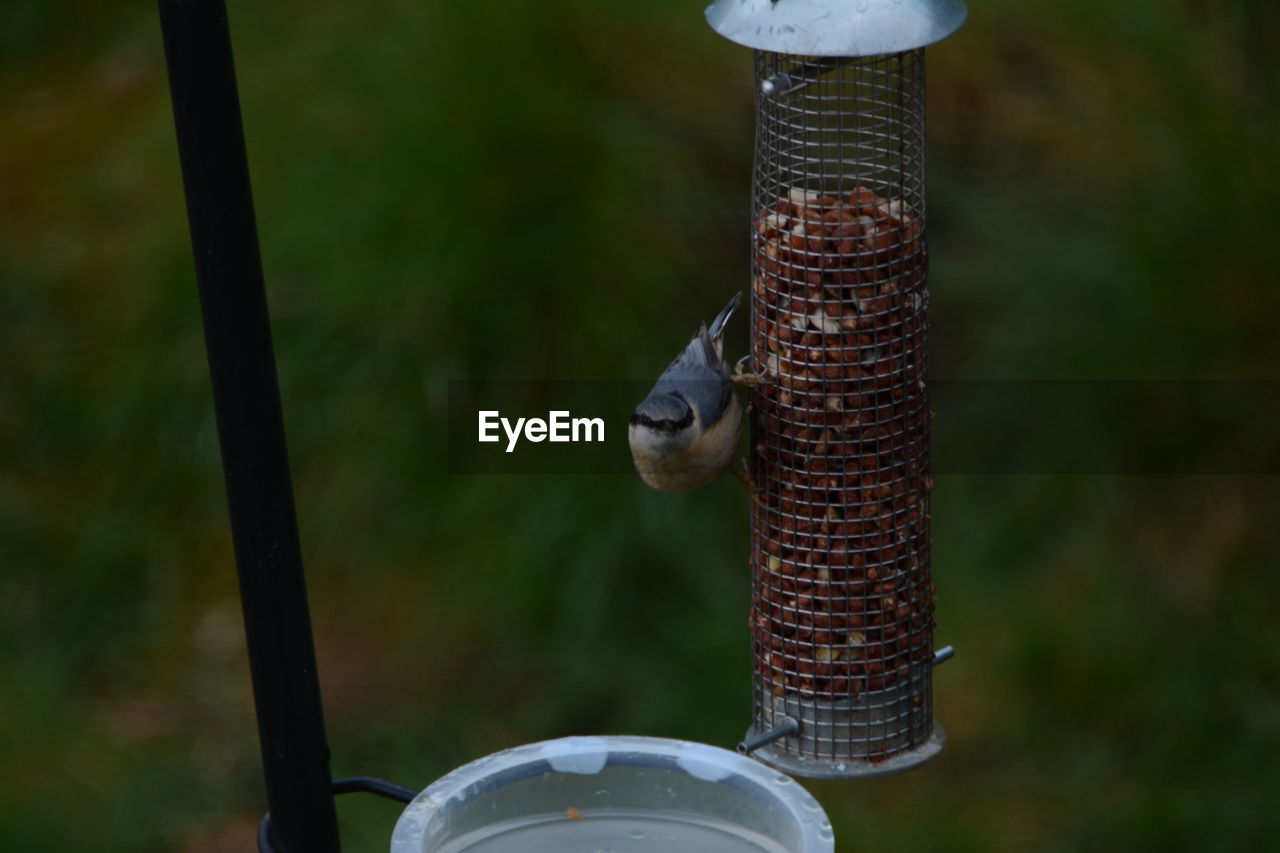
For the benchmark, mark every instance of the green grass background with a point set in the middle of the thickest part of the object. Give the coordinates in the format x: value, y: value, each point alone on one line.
x: 558, y: 190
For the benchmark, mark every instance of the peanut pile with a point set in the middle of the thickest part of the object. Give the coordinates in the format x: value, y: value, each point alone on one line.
x: 842, y: 599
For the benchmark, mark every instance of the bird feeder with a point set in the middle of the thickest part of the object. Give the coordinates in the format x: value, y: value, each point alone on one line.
x: 842, y: 612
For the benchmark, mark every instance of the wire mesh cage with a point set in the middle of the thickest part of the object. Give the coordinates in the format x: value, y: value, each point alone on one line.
x: 842, y: 612
x: 843, y: 605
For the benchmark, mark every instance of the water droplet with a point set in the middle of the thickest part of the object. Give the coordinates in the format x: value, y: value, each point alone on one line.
x: 782, y: 780
x: 811, y: 804
x: 636, y: 833
x: 826, y: 834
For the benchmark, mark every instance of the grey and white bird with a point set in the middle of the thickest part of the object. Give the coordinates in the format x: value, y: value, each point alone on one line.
x: 686, y: 431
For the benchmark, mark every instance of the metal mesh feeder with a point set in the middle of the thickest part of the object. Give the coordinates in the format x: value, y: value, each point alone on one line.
x: 843, y: 602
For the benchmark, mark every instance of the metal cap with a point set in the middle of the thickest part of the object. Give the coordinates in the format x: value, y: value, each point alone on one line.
x: 836, y: 27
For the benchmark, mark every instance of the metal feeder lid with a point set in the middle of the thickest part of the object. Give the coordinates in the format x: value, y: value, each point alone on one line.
x: 836, y: 27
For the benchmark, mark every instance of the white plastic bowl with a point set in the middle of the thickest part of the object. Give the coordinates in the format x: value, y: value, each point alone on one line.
x: 616, y: 794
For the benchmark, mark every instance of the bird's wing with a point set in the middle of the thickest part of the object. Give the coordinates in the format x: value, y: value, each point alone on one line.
x: 700, y: 376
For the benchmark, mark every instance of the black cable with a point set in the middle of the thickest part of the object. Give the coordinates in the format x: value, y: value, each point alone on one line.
x: 345, y: 785
x: 371, y: 785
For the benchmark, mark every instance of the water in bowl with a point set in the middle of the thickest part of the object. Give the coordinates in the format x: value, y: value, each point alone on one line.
x: 613, y: 831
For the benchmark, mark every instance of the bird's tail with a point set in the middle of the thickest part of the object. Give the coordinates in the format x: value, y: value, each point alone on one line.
x: 722, y: 319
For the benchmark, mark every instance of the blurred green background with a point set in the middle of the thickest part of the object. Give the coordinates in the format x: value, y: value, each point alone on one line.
x: 558, y: 190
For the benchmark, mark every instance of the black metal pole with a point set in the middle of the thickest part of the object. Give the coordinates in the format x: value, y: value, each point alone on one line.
x: 246, y: 397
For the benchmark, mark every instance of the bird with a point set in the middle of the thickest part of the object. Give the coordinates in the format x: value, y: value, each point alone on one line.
x: 685, y: 432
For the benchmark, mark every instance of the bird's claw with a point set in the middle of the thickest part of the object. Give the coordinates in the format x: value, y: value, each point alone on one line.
x: 743, y: 379
x: 743, y: 474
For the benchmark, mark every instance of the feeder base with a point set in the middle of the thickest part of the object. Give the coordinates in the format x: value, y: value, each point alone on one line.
x: 855, y: 768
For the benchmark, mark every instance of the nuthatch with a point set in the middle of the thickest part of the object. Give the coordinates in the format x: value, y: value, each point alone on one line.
x: 686, y: 431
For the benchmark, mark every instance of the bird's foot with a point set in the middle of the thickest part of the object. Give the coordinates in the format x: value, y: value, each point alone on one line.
x: 743, y: 379
x: 741, y: 471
